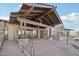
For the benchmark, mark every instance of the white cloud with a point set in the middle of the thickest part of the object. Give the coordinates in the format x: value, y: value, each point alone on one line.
x: 70, y: 20
x: 4, y: 17
x: 72, y: 17
x: 77, y: 29
x: 20, y: 5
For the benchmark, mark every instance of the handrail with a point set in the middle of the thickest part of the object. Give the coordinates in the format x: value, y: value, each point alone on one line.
x: 27, y: 48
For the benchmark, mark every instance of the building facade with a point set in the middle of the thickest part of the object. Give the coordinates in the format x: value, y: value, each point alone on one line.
x: 33, y: 21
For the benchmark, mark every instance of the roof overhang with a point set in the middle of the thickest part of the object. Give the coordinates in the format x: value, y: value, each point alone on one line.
x: 41, y: 13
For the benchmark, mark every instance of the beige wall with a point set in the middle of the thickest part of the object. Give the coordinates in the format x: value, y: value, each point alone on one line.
x: 12, y: 31
x: 1, y: 24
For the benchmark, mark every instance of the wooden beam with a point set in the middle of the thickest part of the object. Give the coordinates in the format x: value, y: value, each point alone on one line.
x: 34, y: 23
x: 51, y: 18
x: 31, y: 11
x: 46, y: 13
x: 33, y: 15
x: 57, y: 15
x: 39, y: 5
x: 38, y: 11
x: 46, y: 20
x: 28, y: 12
x: 40, y: 20
x: 16, y: 15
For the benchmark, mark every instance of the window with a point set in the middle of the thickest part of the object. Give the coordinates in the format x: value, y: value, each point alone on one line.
x: 21, y: 33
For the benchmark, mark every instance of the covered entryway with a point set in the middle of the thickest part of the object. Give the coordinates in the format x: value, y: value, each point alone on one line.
x: 37, y: 16
x: 30, y: 22
x: 31, y: 33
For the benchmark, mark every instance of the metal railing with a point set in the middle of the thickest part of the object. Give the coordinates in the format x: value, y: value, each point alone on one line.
x: 26, y: 46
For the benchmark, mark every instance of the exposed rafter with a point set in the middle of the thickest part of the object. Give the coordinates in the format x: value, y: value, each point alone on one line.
x: 51, y: 18
x: 46, y: 20
x: 39, y: 13
x: 32, y: 11
x: 55, y: 19
x: 57, y: 15
x: 40, y: 20
x: 39, y: 5
x: 28, y: 12
x: 45, y: 13
x: 35, y: 23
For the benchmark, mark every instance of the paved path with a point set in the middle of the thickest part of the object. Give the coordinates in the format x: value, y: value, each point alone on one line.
x: 42, y: 48
x: 10, y: 48
x: 55, y: 48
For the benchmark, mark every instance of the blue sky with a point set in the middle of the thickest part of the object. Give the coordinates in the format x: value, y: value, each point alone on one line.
x: 7, y: 8
x: 69, y: 12
x: 67, y: 8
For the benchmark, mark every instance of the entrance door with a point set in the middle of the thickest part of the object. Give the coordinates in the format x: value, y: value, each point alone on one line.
x: 30, y: 33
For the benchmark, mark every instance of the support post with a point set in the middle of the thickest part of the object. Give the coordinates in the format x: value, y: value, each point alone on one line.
x: 38, y: 32
x: 67, y: 36
x: 49, y: 32
x: 25, y: 30
x: 21, y: 29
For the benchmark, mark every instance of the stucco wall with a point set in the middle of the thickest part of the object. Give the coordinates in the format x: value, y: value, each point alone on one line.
x: 12, y: 31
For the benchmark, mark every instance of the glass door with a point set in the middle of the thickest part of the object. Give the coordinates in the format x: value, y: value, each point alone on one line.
x: 28, y: 33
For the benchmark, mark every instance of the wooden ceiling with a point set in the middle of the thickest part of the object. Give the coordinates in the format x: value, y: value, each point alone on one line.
x: 43, y: 13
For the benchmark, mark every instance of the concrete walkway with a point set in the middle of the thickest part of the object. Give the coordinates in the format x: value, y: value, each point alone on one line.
x: 42, y: 48
x: 54, y: 48
x: 10, y: 48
